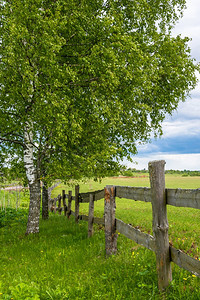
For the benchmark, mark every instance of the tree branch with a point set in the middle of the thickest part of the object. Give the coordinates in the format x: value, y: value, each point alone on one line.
x: 12, y: 141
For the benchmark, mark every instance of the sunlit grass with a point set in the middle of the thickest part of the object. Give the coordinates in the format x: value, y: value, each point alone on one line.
x: 62, y: 263
x: 141, y: 180
x: 183, y: 222
x: 14, y: 199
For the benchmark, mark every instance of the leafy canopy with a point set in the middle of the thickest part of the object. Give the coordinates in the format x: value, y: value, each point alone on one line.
x: 93, y: 78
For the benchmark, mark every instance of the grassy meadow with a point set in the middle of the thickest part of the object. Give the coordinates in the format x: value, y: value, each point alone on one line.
x: 62, y: 263
x: 13, y: 199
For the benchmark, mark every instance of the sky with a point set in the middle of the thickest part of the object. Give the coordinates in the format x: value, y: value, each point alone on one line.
x: 180, y: 144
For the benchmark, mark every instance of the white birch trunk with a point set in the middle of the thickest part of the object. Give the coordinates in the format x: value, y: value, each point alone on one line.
x: 34, y: 182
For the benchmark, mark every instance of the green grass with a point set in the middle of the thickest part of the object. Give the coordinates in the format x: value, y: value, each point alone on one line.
x: 62, y: 263
x: 14, y: 199
x: 10, y: 217
x: 140, y: 180
x: 183, y: 222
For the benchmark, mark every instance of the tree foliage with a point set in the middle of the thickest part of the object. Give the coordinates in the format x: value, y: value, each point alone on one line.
x: 81, y: 82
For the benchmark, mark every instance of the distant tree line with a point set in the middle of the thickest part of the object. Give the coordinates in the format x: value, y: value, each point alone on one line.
x: 133, y: 171
x: 183, y: 172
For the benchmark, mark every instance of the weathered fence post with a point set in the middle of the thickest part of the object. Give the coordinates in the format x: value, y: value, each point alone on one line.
x: 69, y: 204
x: 76, y: 203
x: 91, y: 215
x: 160, y: 222
x: 51, y: 205
x: 110, y: 222
x: 64, y: 202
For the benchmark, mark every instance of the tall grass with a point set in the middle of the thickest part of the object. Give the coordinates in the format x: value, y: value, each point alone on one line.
x: 13, y: 199
x: 62, y: 263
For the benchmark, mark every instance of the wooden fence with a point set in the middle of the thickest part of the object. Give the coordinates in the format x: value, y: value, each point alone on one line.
x: 160, y: 197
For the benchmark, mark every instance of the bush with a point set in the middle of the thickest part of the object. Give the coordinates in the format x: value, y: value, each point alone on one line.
x: 127, y: 173
x: 10, y: 216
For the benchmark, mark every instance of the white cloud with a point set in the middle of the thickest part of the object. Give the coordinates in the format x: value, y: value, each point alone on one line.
x: 189, y: 26
x: 147, y: 147
x: 185, y: 121
x: 190, y: 16
x: 184, y: 127
x: 181, y: 131
x: 189, y: 109
x: 173, y: 161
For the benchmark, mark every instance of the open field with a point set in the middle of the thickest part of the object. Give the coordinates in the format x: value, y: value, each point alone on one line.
x: 141, y: 179
x: 62, y: 263
x: 183, y: 222
x: 14, y: 197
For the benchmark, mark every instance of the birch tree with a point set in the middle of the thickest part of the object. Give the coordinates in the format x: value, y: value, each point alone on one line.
x: 29, y: 36
x: 81, y: 83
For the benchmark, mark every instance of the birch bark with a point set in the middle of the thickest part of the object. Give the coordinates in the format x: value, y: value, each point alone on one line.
x: 33, y: 181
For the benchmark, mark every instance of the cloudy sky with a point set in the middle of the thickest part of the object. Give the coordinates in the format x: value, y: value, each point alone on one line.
x: 180, y: 143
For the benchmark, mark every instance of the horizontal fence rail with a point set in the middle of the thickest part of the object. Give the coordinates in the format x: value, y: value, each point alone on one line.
x: 85, y: 197
x: 159, y: 197
x: 183, y: 198
x: 136, y: 235
x: 175, y: 197
x: 185, y: 261
x: 134, y: 193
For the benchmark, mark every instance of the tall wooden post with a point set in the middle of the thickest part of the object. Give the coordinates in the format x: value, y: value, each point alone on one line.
x: 160, y: 222
x: 76, y: 203
x: 64, y: 202
x: 69, y: 204
x: 91, y: 216
x: 110, y: 223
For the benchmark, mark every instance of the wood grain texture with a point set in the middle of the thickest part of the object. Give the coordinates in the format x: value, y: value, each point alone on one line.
x: 69, y: 204
x: 76, y: 203
x: 184, y: 261
x: 175, y: 197
x: 160, y: 222
x: 136, y: 235
x: 85, y: 197
x: 183, y: 197
x: 91, y: 216
x: 110, y: 225
x: 134, y: 193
